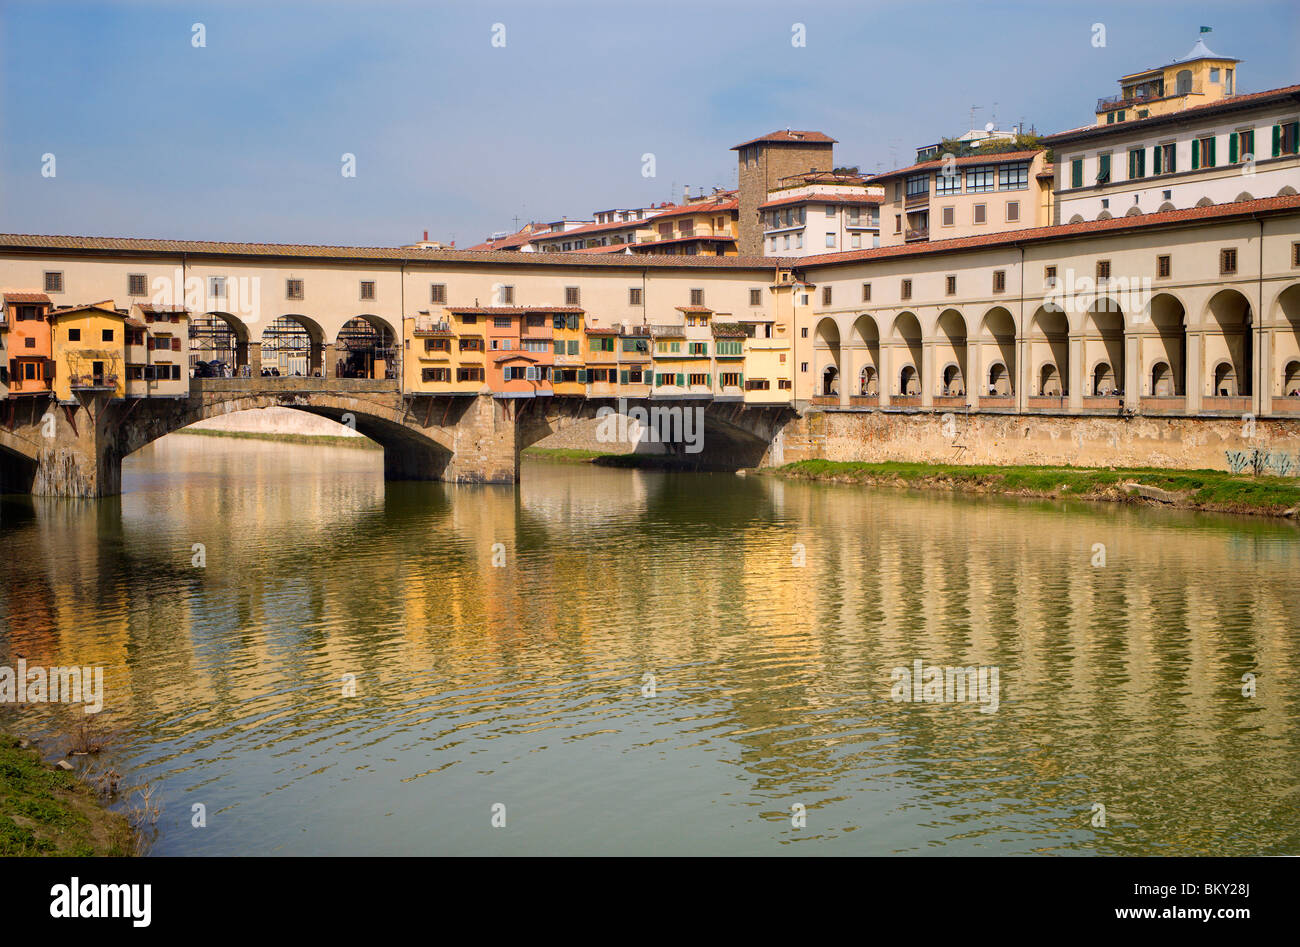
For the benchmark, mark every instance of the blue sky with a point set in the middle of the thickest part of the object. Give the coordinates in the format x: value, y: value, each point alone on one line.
x: 242, y: 139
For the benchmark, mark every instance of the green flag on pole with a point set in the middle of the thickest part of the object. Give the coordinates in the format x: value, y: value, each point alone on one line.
x: 1206, y: 29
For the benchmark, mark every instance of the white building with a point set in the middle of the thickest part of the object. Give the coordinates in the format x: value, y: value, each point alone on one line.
x: 820, y: 218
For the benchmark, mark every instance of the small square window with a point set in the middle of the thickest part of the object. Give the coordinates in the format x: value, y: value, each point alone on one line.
x: 980, y: 213
x: 1049, y: 276
x: 952, y: 285
x: 54, y: 282
x: 571, y: 296
x: 1295, y: 254
x: 697, y: 297
x: 1228, y: 261
x: 438, y: 292
x: 906, y: 292
x: 999, y: 281
x: 137, y: 284
x: 634, y: 295
x: 1103, y: 269
x: 367, y: 289
x: 756, y: 297
x: 507, y: 295
x: 803, y: 332
x: 1163, y: 266
x: 866, y: 290
x: 293, y: 289
x: 1013, y: 211
x: 826, y: 295
x: 74, y: 335
x: 106, y: 335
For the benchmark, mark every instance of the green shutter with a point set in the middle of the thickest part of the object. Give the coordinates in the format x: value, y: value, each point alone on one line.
x: 622, y: 376
x: 1213, y: 142
x: 1295, y: 137
x: 1277, y: 141
x: 742, y: 379
x: 708, y: 381
x: 582, y: 375
x: 1173, y: 159
x: 681, y: 380
x: 1156, y: 159
x: 1196, y: 153
x: 1076, y: 173
x: 1232, y: 148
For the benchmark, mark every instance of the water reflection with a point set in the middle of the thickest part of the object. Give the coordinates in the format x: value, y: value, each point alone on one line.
x: 521, y: 682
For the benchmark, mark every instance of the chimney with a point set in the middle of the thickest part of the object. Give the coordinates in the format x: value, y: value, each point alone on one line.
x: 426, y: 236
x: 686, y: 193
x: 453, y: 244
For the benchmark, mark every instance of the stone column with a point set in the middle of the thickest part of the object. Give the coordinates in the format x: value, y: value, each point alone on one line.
x: 974, y: 376
x: 1132, y: 370
x: 1261, y: 397
x: 486, y: 443
x: 1193, y: 383
x: 254, y: 358
x: 1078, y: 371
x: 927, y: 370
x: 848, y: 373
x: 886, y: 384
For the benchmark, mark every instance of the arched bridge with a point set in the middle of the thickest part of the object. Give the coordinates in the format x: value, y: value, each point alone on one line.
x: 77, y: 450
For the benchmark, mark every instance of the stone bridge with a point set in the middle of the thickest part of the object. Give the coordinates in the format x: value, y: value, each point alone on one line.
x: 53, y: 449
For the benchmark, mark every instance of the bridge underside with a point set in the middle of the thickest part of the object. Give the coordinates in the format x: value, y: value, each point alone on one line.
x: 76, y: 450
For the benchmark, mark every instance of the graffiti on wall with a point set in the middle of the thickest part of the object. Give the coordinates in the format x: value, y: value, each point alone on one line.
x: 1261, y: 462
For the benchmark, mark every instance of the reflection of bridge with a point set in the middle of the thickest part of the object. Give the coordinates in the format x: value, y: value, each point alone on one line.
x: 66, y: 450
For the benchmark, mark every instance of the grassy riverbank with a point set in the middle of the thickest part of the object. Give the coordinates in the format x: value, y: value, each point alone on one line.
x: 570, y: 455
x: 49, y: 811
x: 320, y: 440
x: 1209, y: 490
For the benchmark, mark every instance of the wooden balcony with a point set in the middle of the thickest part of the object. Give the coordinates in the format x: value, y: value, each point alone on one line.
x: 93, y: 382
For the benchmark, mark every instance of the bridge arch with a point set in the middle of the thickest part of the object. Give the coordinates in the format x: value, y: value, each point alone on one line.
x: 366, y: 347
x: 218, y: 336
x: 293, y: 344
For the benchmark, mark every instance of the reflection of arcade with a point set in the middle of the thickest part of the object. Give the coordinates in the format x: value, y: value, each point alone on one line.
x: 366, y: 350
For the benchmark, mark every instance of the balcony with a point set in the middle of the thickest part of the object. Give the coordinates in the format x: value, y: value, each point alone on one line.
x: 830, y: 401
x: 1286, y: 405
x: 916, y: 234
x: 864, y: 401
x: 1163, y: 404
x: 905, y: 401
x: 997, y: 403
x: 1047, y: 402
x: 92, y: 382
x: 949, y: 401
x: 425, y: 328
x: 913, y: 201
x: 1225, y: 404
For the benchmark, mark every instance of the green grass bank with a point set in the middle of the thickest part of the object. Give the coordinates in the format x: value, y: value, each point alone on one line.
x: 1209, y: 490
x: 49, y: 811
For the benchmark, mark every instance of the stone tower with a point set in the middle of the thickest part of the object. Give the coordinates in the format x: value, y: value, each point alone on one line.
x: 765, y: 160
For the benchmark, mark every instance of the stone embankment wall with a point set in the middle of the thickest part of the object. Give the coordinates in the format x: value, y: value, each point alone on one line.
x: 1182, y: 443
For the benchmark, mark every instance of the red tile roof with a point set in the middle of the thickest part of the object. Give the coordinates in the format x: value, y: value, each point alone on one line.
x: 823, y: 199
x: 703, y: 207
x: 786, y: 136
x: 694, y: 309
x: 1195, y: 113
x: 210, y: 249
x: 1136, y: 222
x: 27, y: 298
x: 590, y: 228
x: 609, y: 249
x: 1004, y: 157
x: 642, y: 248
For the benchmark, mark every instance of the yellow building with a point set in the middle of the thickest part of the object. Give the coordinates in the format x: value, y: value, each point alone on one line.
x: 89, y: 351
x: 430, y: 364
x: 1199, y: 78
x: 707, y: 227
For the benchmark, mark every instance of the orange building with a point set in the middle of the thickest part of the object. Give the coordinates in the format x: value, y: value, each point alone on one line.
x: 29, y: 343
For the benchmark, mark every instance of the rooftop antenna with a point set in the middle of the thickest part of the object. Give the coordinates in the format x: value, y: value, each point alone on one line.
x: 973, y: 110
x: 994, y: 116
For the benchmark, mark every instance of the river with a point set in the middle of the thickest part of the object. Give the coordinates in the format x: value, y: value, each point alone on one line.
x: 627, y: 662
